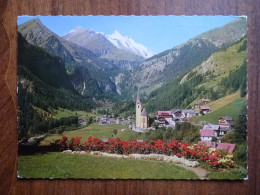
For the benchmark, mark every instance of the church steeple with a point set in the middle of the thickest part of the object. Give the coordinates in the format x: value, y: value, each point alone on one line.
x: 138, y: 101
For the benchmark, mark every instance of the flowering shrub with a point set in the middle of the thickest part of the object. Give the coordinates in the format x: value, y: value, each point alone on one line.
x: 117, y: 146
x: 63, y: 143
x: 227, y: 161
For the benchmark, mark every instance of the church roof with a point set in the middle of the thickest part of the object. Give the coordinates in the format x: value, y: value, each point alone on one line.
x: 138, y: 97
x: 144, y: 113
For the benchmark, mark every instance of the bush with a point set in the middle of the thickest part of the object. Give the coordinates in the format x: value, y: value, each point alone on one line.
x: 240, y: 154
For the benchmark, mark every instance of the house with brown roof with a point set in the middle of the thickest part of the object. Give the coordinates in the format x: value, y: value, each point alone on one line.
x: 205, y: 109
x: 204, y: 101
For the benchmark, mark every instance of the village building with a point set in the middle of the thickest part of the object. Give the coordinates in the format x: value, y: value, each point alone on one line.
x: 188, y: 113
x: 226, y: 146
x: 205, y: 109
x: 226, y: 121
x: 182, y: 114
x: 104, y: 121
x: 206, y: 135
x: 141, y: 114
x: 204, y: 101
x: 176, y: 114
x: 165, y: 118
x: 219, y: 130
x: 220, y: 146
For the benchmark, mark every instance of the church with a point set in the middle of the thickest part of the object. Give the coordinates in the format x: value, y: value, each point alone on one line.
x: 141, y: 114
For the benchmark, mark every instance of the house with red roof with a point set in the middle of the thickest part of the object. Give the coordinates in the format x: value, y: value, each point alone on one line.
x: 165, y: 118
x: 206, y: 134
x: 226, y: 146
x: 220, y: 146
x: 226, y: 121
x: 165, y: 114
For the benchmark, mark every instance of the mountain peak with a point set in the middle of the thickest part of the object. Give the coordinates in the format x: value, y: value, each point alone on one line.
x: 127, y: 43
x: 78, y: 29
x: 117, y: 33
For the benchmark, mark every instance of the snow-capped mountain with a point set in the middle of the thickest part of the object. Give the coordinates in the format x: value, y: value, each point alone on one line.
x: 107, y: 45
x: 126, y: 42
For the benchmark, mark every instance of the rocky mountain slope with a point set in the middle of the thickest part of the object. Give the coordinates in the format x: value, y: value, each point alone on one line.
x: 163, y: 67
x: 223, y: 73
x: 94, y: 68
x: 89, y: 67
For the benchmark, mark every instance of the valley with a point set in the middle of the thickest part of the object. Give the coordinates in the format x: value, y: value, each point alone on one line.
x: 90, y: 84
x: 88, y: 67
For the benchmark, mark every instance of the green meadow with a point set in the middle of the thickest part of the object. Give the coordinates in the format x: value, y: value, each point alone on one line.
x: 60, y: 165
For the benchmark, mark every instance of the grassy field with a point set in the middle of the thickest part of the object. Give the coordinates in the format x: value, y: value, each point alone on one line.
x: 94, y: 130
x: 232, y: 109
x: 215, y: 105
x: 59, y: 165
x: 129, y: 135
x: 238, y: 173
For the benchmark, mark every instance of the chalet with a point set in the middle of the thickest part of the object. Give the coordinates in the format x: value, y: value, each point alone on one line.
x: 226, y: 146
x: 220, y: 146
x: 164, y: 122
x: 215, y: 128
x: 165, y: 114
x: 177, y: 114
x: 206, y: 134
x: 223, y: 130
x: 226, y: 121
x: 219, y: 130
x: 205, y: 109
x: 188, y: 113
x: 204, y: 101
x: 161, y: 121
x: 165, y: 118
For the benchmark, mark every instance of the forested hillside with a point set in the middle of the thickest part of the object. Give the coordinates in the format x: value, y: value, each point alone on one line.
x: 220, y: 79
x: 43, y: 84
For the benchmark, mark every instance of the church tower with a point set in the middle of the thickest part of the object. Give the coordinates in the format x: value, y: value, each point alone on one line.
x: 144, y: 119
x: 141, y: 114
x: 138, y: 109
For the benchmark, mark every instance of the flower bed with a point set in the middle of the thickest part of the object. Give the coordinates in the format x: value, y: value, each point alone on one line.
x: 199, y: 153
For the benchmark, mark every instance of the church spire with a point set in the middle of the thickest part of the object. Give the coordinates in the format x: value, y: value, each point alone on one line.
x: 138, y: 101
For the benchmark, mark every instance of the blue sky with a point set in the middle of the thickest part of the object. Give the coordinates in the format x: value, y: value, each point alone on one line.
x: 157, y: 33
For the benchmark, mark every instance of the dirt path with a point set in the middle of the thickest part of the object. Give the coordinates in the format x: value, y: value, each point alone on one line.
x: 197, y: 170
